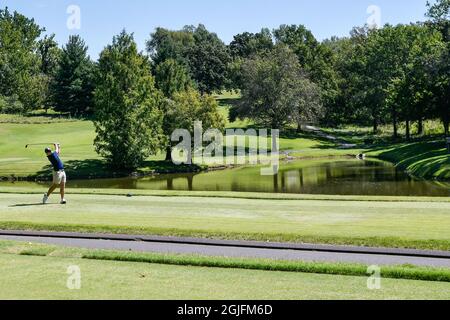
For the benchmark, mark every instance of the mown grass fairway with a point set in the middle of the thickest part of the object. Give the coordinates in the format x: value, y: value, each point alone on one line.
x: 131, y: 280
x: 372, y: 223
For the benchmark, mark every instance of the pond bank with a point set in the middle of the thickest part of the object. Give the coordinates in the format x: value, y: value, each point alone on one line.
x: 427, y: 160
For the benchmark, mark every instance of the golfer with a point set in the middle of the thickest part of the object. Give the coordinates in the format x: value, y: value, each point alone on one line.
x: 59, y: 175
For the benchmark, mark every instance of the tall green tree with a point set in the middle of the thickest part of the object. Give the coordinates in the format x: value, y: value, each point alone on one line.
x: 208, y: 60
x: 202, y: 52
x: 74, y: 84
x: 184, y: 109
x: 412, y: 88
x: 245, y: 45
x: 276, y: 90
x: 349, y: 63
x: 50, y: 55
x: 314, y: 57
x: 439, y: 13
x: 167, y: 44
x: 128, y: 116
x: 20, y: 65
x: 171, y: 77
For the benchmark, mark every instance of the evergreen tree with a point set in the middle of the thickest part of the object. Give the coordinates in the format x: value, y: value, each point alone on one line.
x: 73, y: 86
x: 128, y: 117
x: 172, y: 77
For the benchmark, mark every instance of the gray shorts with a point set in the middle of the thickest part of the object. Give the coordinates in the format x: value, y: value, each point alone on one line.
x: 59, y: 177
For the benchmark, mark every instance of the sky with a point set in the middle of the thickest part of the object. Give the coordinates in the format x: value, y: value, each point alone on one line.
x: 99, y: 20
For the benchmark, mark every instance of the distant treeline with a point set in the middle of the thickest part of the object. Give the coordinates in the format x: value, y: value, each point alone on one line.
x: 285, y: 76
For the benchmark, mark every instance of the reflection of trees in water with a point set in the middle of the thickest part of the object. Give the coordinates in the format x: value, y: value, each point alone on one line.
x: 189, y: 180
x: 358, y: 178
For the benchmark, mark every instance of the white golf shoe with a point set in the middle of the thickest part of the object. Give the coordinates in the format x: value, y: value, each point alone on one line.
x: 63, y: 201
x: 45, y: 199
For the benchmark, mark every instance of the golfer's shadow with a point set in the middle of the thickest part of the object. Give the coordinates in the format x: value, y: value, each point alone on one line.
x: 28, y: 205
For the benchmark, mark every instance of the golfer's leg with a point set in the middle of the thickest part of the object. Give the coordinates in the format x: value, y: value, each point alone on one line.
x: 62, y: 189
x: 52, y: 188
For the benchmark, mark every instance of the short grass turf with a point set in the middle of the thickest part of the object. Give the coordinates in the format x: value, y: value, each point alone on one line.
x: 31, y: 277
x: 406, y: 272
x: 423, y: 225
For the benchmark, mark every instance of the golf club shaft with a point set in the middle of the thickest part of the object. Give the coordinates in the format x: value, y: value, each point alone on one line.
x: 38, y: 144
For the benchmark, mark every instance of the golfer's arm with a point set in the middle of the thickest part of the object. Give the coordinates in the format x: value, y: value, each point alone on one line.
x: 57, y: 148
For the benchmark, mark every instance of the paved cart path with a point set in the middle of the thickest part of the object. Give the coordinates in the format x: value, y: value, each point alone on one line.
x: 279, y: 251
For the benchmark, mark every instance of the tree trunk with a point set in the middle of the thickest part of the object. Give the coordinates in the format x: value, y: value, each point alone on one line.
x: 420, y: 127
x: 190, y: 180
x: 169, y: 154
x: 446, y: 127
x: 394, y: 122
x: 375, y: 126
x: 408, y: 130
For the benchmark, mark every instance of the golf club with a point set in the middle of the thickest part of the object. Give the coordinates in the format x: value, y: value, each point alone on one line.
x: 38, y: 144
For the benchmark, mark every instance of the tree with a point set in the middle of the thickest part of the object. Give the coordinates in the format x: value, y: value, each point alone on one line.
x: 202, y: 52
x: 276, y: 91
x: 316, y: 59
x: 19, y: 64
x: 309, y: 106
x: 348, y: 65
x: 439, y: 12
x: 410, y: 93
x: 49, y: 54
x: 185, y: 108
x: 208, y: 59
x: 167, y: 44
x: 74, y: 84
x: 128, y: 116
x: 246, y: 45
x: 172, y: 77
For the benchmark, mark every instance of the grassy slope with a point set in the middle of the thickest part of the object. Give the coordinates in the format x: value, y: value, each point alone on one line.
x: 41, y: 273
x: 373, y: 223
x: 423, y: 157
x: 428, y: 160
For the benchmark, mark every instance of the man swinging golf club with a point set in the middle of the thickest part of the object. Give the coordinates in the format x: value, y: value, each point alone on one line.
x: 59, y: 175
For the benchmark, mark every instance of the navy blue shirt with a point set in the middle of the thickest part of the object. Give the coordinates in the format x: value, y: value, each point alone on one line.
x: 56, y: 161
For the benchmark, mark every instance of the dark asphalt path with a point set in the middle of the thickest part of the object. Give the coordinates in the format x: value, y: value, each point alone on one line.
x: 232, y: 249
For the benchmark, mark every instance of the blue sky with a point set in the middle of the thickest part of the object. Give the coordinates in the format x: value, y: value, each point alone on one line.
x: 101, y: 19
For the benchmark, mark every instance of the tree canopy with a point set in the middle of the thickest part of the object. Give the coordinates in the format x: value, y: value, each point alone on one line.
x: 128, y: 115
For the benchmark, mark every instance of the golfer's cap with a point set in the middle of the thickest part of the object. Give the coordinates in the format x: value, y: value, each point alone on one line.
x: 47, y: 150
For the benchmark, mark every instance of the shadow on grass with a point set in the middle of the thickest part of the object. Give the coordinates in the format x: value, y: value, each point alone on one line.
x: 228, y: 102
x: 28, y: 205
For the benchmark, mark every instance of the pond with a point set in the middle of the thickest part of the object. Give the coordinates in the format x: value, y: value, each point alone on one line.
x: 329, y: 177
